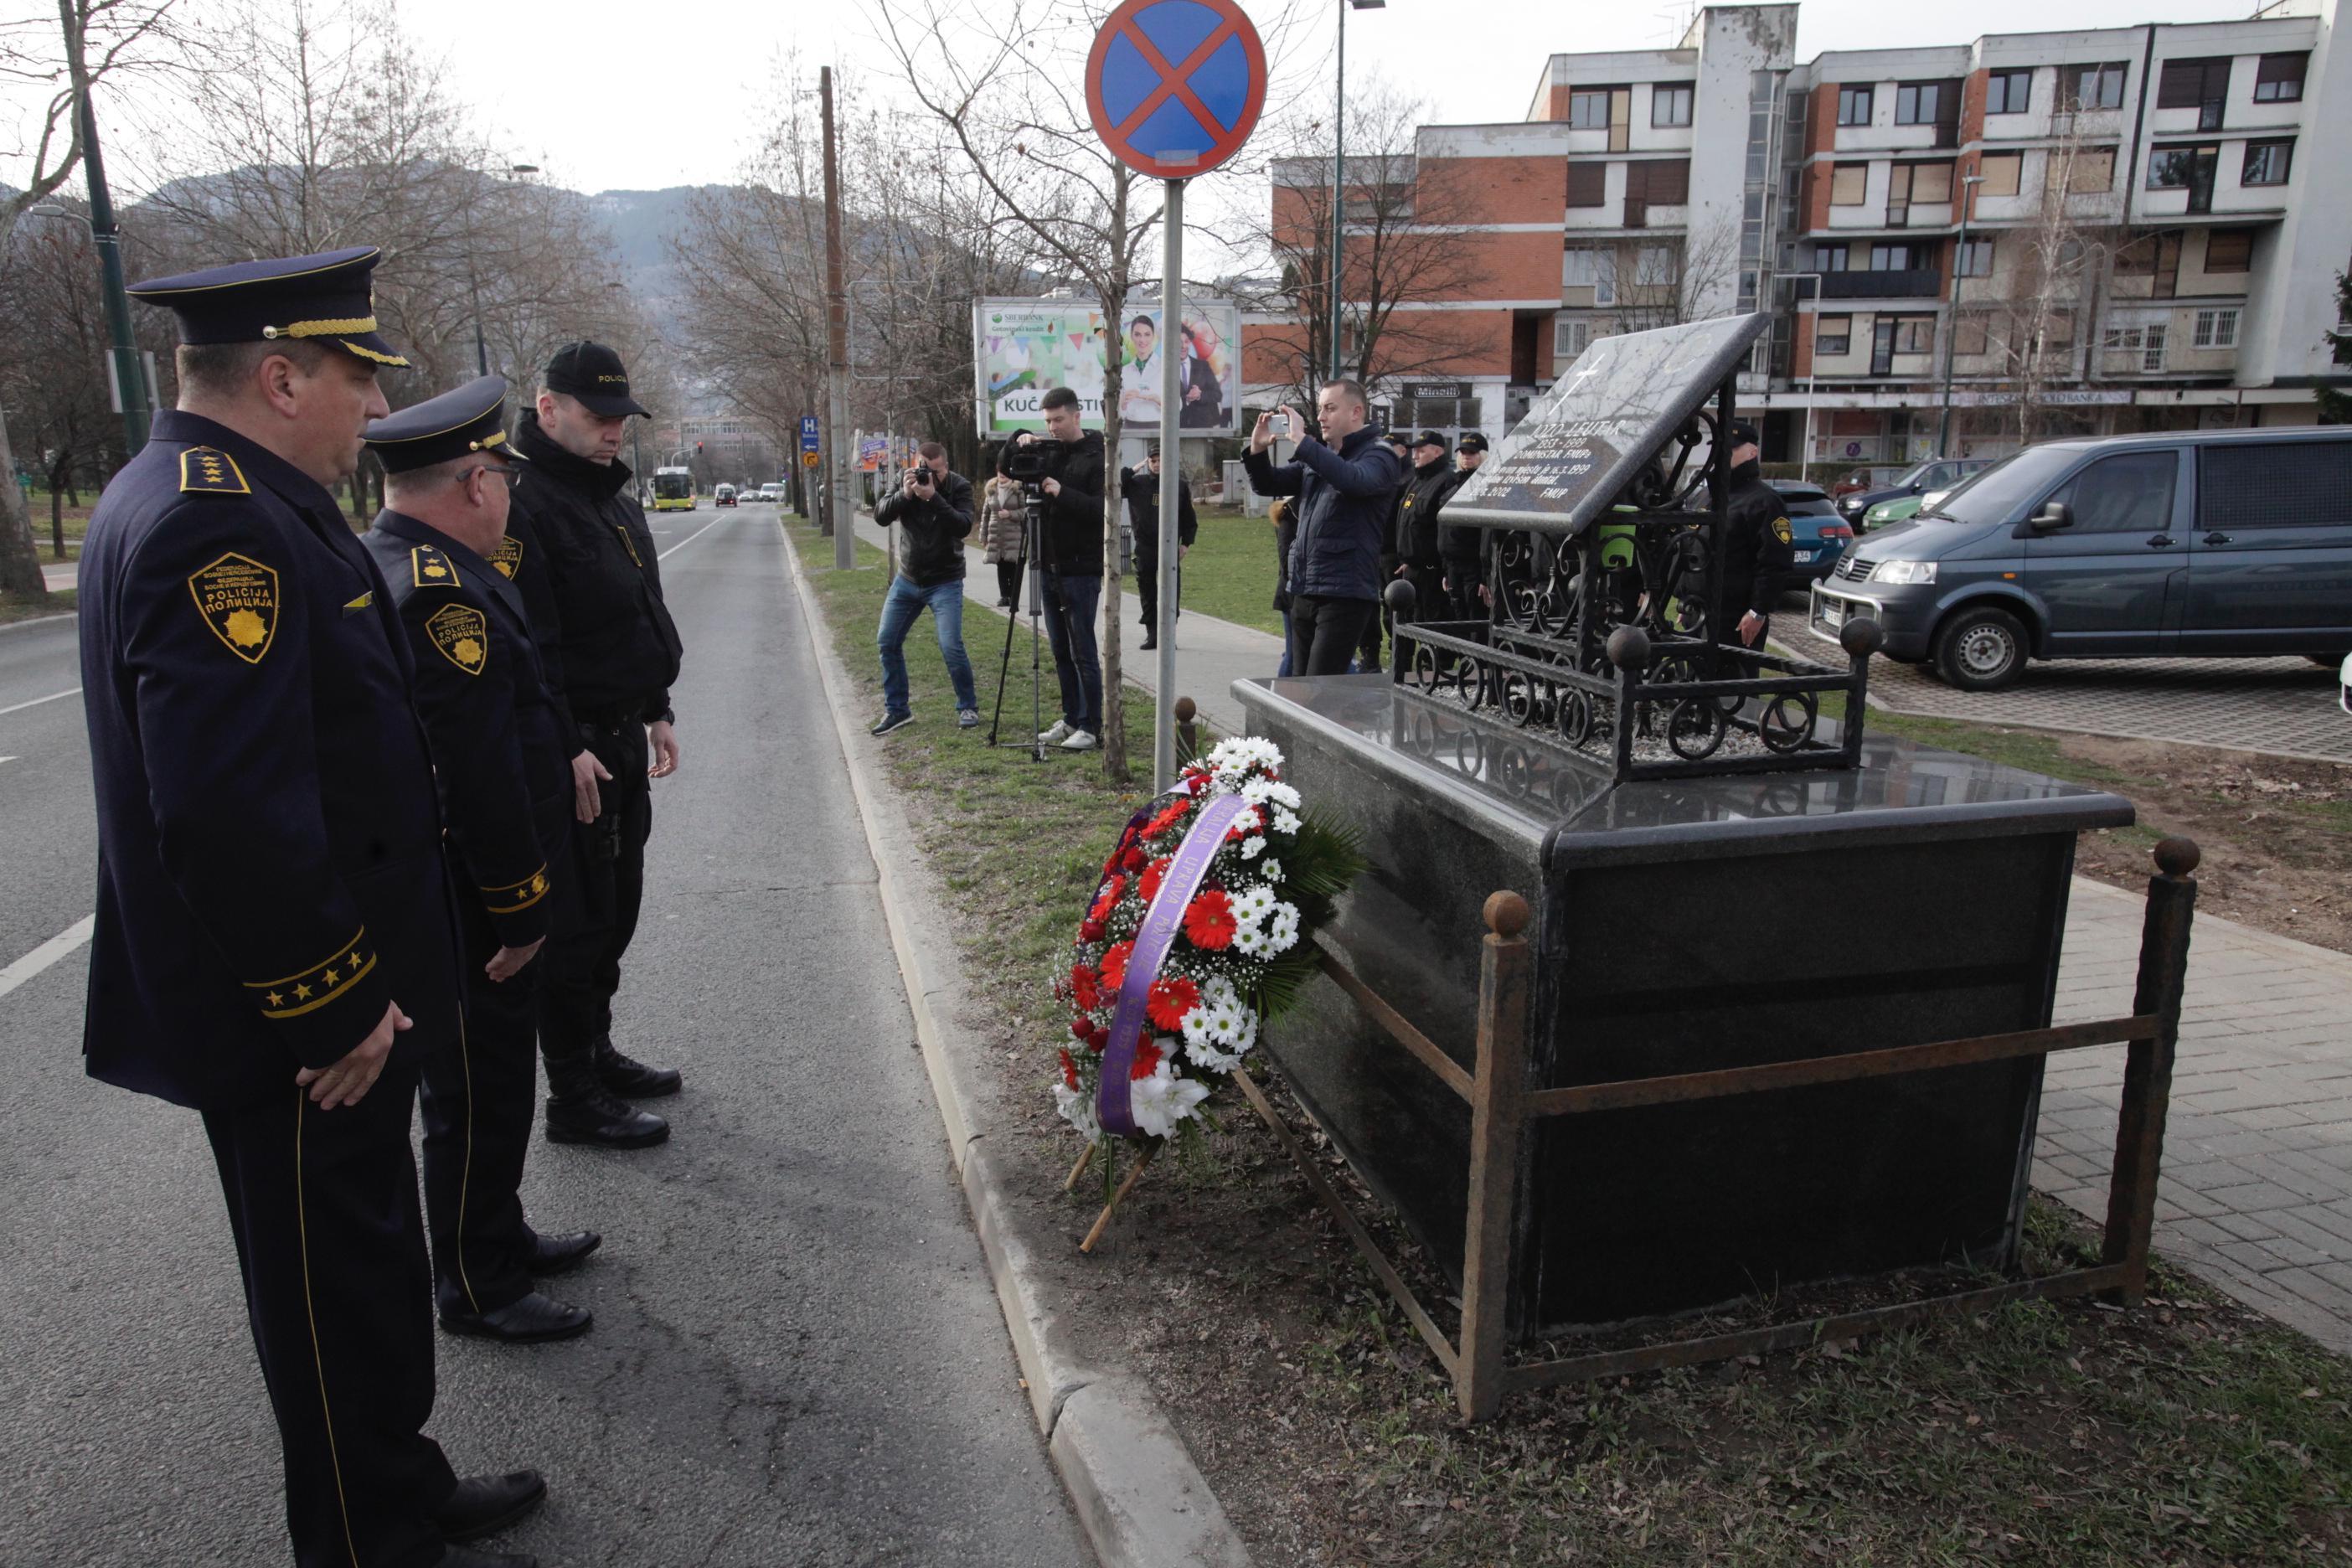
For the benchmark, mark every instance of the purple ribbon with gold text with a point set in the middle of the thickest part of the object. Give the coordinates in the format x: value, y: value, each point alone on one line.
x: 1153, y: 940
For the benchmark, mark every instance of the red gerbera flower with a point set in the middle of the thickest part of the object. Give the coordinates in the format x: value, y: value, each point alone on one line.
x: 1153, y: 876
x: 1208, y: 921
x: 1113, y: 889
x: 1168, y: 817
x: 1171, y: 997
x: 1069, y: 1069
x: 1090, y: 930
x: 1146, y: 1060
x: 1083, y: 989
x: 1114, y: 964
x: 1133, y: 859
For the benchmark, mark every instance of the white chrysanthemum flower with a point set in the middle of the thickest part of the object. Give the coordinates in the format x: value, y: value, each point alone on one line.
x: 1286, y: 821
x: 1203, y: 1034
x: 1282, y: 928
x: 1077, y: 1109
x: 1163, y: 1099
x: 1249, y: 940
x: 1257, y: 789
x: 1271, y: 871
x: 1282, y: 795
x: 1252, y: 847
x: 1252, y: 905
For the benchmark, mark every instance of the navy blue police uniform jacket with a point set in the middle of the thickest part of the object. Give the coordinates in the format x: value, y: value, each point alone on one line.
x: 501, y: 745
x: 270, y: 865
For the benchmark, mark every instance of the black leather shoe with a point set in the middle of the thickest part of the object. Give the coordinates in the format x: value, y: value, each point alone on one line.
x: 484, y: 1505
x: 466, y: 1557
x: 632, y: 1079
x: 593, y: 1116
x: 531, y: 1320
x: 561, y: 1254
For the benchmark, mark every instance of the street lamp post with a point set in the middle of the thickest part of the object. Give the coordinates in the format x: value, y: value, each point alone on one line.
x: 1340, y: 173
x: 1968, y: 183
x: 129, y: 375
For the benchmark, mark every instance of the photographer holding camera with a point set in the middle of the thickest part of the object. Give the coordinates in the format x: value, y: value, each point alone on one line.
x: 1065, y: 473
x: 1345, y: 484
x: 932, y: 508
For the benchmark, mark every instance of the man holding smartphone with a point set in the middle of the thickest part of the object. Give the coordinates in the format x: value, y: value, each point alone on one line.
x: 932, y: 508
x: 1345, y: 484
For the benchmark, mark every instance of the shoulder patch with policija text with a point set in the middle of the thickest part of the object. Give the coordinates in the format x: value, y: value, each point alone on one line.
x: 508, y: 557
x: 1781, y: 531
x: 462, y: 636
x: 237, y: 597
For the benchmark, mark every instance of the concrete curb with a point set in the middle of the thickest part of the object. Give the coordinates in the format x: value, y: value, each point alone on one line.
x: 1141, y: 1499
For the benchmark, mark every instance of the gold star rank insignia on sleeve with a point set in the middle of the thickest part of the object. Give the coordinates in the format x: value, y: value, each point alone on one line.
x: 208, y: 470
x: 237, y: 597
x: 462, y: 635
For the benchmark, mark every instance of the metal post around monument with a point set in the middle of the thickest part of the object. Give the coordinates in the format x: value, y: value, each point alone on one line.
x: 1172, y: 468
x: 1497, y: 1121
x: 2147, y: 1064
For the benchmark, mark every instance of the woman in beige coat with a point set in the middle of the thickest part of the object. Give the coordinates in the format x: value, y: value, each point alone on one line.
x: 1001, y: 516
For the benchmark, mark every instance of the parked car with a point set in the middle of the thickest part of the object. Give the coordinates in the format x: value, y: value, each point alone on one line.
x: 771, y: 492
x: 2219, y: 543
x: 1935, y: 474
x: 1872, y: 477
x: 1819, y: 535
x: 723, y: 495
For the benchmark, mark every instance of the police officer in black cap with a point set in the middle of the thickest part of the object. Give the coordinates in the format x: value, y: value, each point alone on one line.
x: 593, y: 589
x: 273, y: 942
x: 503, y: 758
x: 1463, y: 545
x: 1758, y: 551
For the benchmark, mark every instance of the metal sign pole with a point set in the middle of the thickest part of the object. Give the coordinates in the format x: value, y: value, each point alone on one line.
x: 1171, y: 338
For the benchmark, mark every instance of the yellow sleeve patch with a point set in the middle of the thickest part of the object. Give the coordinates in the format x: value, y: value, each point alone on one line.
x: 208, y: 470
x: 462, y: 635
x: 237, y: 597
x: 516, y: 896
x: 1781, y: 531
x: 508, y: 557
x: 431, y: 568
x: 311, y: 989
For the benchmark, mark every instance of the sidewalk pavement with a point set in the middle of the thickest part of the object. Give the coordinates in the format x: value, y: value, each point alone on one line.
x: 61, y: 576
x: 2256, y: 1194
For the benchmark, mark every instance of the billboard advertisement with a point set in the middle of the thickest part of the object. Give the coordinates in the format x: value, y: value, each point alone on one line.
x: 1024, y: 348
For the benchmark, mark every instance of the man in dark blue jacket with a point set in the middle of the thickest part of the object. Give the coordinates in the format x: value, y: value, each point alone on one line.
x: 1345, y: 484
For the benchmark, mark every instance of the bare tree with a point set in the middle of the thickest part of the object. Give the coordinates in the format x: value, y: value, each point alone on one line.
x: 54, y: 375
x: 2035, y: 330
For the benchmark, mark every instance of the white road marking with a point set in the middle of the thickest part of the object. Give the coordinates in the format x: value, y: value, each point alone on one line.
x: 36, y: 702
x: 689, y: 539
x: 49, y: 952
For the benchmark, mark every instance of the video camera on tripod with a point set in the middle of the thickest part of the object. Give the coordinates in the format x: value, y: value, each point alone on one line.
x: 1032, y: 460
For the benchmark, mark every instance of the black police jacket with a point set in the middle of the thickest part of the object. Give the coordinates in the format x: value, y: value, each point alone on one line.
x: 1140, y: 486
x: 931, y: 529
x: 616, y: 650
x: 1758, y: 547
x: 1417, y: 513
x: 501, y: 748
x: 270, y: 872
x: 1073, y: 518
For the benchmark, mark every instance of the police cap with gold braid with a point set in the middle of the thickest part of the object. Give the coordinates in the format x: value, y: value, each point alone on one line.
x: 326, y: 298
x: 440, y: 429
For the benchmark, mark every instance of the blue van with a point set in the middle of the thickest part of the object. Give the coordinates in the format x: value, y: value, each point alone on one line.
x: 2223, y: 544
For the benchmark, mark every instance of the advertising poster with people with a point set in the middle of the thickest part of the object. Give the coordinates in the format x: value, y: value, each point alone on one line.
x: 1025, y: 348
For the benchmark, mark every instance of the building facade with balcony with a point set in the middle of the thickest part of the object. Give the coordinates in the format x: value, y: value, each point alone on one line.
x: 2025, y: 236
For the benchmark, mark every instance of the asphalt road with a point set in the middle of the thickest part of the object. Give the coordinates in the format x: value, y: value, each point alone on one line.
x: 797, y: 1359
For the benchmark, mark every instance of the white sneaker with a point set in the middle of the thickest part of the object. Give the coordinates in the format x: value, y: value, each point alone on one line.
x: 1057, y: 735
x: 1079, y: 740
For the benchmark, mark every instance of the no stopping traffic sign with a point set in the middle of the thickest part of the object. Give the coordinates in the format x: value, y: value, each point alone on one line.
x: 1174, y: 87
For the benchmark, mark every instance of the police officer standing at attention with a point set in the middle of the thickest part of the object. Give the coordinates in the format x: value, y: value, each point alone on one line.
x: 597, y: 578
x: 503, y: 758
x: 273, y: 943
x: 1757, y: 552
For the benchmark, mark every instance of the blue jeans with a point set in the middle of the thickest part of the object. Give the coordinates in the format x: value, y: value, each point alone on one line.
x: 1070, y: 605
x: 900, y: 609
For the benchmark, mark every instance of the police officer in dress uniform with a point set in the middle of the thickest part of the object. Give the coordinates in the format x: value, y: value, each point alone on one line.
x: 274, y: 942
x: 592, y: 580
x: 503, y: 761
x: 1757, y: 548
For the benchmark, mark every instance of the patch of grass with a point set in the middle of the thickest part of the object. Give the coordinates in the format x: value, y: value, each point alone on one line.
x: 1230, y: 572
x: 57, y: 602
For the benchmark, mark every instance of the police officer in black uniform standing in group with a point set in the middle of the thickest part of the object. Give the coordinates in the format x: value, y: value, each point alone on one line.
x: 503, y: 758
x: 593, y: 585
x: 1758, y: 550
x: 273, y: 942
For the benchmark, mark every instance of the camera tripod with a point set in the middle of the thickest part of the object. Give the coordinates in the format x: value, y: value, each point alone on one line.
x: 1032, y: 589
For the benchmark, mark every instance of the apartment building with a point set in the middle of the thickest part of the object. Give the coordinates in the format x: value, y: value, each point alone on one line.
x: 2092, y: 231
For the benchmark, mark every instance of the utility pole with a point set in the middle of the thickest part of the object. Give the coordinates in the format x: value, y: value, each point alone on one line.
x: 841, y: 507
x: 1968, y: 183
x: 129, y: 374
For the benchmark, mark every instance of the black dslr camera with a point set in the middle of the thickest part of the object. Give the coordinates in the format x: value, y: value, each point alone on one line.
x: 1032, y: 460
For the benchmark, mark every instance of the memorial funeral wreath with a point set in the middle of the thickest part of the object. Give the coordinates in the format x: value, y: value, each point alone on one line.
x: 1199, y: 932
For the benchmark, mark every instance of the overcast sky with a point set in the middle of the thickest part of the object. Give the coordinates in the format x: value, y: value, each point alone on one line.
x: 676, y: 96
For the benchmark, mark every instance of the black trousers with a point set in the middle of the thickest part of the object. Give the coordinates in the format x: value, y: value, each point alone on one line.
x: 592, y: 930
x: 475, y: 1103
x: 1368, y: 652
x: 1324, y: 633
x: 1462, y: 601
x: 324, y: 1207
x: 1008, y: 582
x: 1146, y: 588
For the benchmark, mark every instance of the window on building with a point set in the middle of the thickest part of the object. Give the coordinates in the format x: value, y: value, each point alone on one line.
x: 1593, y: 267
x: 2135, y: 348
x: 1660, y: 181
x: 1916, y: 102
x: 1915, y: 334
x: 2194, y: 84
x: 1969, y: 335
x: 2093, y: 172
x: 1588, y: 109
x: 2000, y: 172
x: 2278, y: 79
x: 2266, y: 163
x: 1976, y: 259
x: 1853, y: 106
x: 1569, y: 338
x: 1588, y: 182
x: 2229, y: 249
x: 1894, y: 255
x: 2092, y: 86
x: 1657, y: 264
x: 1833, y: 335
x: 2008, y: 92
x: 2216, y: 329
x: 1670, y: 106
x: 1931, y: 183
x: 2173, y: 168
x: 1848, y: 183
x: 1828, y: 258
